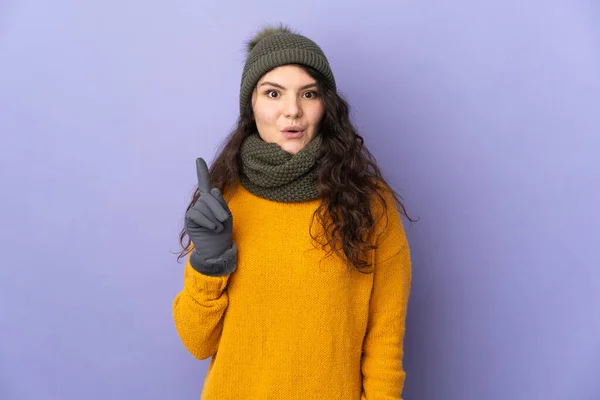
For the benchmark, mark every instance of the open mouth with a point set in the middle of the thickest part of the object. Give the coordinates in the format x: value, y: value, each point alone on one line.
x: 293, y: 134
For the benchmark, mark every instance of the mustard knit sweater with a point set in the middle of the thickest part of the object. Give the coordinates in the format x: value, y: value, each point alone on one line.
x: 289, y: 324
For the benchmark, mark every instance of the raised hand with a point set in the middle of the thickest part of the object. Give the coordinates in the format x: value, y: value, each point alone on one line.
x: 209, y: 222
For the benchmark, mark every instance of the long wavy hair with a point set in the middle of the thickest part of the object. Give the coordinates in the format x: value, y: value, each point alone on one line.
x: 348, y: 179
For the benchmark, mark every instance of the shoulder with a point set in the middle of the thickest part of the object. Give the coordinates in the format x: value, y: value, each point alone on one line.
x: 389, y: 229
x: 384, y: 206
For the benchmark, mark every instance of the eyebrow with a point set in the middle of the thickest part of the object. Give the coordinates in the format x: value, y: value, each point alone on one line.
x: 281, y: 87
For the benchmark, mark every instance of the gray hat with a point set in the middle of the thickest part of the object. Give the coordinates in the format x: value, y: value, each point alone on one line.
x: 273, y: 47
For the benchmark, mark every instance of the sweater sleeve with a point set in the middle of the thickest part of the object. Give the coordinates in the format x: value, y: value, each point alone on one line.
x: 198, y: 311
x: 381, y: 365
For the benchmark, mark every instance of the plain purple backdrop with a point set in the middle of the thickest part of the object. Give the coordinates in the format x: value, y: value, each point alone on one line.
x: 484, y: 115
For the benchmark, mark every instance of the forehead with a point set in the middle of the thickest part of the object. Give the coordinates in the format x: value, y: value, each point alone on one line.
x: 287, y: 74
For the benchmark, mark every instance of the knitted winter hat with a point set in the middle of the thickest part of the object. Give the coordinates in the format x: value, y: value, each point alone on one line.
x: 276, y: 46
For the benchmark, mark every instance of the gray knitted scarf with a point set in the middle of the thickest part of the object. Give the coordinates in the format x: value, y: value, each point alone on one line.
x: 270, y: 172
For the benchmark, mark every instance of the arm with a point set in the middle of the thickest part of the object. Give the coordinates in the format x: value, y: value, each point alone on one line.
x: 198, y: 311
x: 383, y: 374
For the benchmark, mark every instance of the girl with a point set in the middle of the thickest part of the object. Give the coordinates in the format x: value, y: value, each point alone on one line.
x: 303, y: 294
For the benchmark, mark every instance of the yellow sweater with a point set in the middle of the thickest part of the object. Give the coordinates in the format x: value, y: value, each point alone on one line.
x: 285, y: 326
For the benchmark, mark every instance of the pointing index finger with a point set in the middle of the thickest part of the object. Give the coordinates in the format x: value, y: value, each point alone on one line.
x: 203, y: 176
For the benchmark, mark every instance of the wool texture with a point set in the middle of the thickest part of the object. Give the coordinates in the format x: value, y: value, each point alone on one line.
x: 292, y: 324
x: 272, y: 173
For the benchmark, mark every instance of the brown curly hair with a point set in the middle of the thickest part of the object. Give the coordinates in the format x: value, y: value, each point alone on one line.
x: 348, y: 179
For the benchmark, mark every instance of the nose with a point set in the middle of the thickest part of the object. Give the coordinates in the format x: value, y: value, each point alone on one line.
x: 291, y: 108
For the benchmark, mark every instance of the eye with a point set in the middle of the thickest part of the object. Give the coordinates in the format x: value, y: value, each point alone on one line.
x: 268, y: 93
x: 312, y: 93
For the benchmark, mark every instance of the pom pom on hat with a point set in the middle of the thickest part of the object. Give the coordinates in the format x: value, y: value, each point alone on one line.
x: 266, y: 32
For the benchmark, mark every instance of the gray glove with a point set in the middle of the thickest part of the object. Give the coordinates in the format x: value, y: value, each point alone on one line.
x: 208, y: 223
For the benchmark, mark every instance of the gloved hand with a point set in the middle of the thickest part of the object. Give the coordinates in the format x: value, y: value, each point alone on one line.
x: 208, y: 223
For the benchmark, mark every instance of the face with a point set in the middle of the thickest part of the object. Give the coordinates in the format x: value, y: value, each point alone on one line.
x: 287, y: 96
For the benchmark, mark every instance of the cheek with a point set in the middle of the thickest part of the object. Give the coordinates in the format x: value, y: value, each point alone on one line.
x: 316, y: 114
x: 265, y: 113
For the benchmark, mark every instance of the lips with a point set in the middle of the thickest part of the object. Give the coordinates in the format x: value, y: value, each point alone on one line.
x: 293, y: 129
x: 293, y: 134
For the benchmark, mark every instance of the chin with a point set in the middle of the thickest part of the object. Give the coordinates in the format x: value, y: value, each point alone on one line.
x: 292, y: 148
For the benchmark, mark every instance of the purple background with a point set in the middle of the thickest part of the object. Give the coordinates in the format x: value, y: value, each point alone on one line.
x: 485, y: 116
